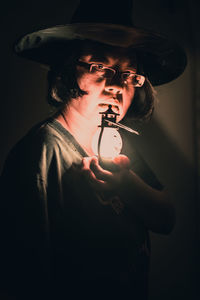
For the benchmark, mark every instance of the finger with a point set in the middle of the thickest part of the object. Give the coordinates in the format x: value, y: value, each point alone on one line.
x: 95, y: 174
x: 97, y: 184
x: 87, y: 170
x: 122, y: 160
x: 86, y: 161
x: 100, y: 185
x: 100, y: 173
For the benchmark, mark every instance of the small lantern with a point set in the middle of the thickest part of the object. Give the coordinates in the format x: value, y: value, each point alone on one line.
x: 107, y: 142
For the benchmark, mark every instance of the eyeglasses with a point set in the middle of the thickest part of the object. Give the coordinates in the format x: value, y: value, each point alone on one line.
x: 102, y: 71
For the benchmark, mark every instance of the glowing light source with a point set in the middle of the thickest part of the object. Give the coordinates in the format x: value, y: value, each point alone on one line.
x: 111, y: 143
x: 107, y: 142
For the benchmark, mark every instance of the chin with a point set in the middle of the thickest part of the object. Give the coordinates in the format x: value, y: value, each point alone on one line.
x: 120, y: 117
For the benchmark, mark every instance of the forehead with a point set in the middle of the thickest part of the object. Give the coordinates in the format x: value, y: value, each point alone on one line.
x: 109, y: 55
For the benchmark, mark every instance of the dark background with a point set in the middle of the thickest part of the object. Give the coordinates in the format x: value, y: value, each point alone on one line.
x: 170, y: 142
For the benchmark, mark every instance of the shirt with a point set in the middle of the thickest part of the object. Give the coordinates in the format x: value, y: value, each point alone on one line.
x: 61, y: 238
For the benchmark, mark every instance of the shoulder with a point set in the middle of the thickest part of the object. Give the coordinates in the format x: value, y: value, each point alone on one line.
x: 44, y: 145
x: 31, y: 144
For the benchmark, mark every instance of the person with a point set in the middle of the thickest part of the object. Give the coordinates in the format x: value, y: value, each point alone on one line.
x: 73, y: 227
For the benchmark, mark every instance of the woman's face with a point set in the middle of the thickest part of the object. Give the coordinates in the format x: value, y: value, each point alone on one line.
x: 103, y: 91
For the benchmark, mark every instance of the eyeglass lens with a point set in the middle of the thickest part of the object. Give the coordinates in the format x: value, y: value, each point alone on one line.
x: 135, y: 79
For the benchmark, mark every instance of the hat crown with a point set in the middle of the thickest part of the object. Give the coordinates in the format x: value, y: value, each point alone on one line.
x: 107, y: 22
x: 104, y: 11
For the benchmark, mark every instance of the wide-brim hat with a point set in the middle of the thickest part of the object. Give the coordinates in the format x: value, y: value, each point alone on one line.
x: 163, y: 59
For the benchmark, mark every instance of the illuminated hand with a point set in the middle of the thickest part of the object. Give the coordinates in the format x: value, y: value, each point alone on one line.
x: 124, y: 188
x: 103, y: 180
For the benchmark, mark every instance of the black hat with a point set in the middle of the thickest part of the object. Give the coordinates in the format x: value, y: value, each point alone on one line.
x: 109, y: 23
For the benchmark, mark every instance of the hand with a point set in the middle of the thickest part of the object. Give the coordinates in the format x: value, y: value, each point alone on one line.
x: 103, y: 180
x: 151, y: 206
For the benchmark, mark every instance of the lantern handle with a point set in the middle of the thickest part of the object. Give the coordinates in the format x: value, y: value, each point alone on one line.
x: 122, y: 126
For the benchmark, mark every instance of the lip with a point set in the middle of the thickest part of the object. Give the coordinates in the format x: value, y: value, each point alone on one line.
x: 111, y: 101
x: 104, y: 106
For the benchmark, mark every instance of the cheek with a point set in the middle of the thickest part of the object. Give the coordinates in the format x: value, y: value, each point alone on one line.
x: 89, y: 83
x: 127, y: 101
x: 128, y: 97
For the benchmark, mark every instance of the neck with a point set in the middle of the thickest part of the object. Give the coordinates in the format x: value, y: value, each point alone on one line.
x: 81, y: 128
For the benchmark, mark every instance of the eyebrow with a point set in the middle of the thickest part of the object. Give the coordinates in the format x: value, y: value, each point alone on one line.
x: 99, y: 58
x: 102, y: 59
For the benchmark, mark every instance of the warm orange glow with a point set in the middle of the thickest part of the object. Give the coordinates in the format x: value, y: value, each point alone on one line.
x: 111, y: 143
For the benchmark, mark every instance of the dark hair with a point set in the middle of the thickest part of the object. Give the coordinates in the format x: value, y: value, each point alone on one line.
x: 62, y: 81
x: 63, y: 86
x: 142, y: 106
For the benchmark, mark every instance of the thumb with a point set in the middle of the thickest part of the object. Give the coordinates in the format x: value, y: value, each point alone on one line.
x: 122, y: 161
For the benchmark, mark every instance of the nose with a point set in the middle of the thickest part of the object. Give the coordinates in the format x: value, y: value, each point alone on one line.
x: 114, y: 85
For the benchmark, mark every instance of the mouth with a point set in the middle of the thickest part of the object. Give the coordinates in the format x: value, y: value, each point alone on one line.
x: 104, y: 106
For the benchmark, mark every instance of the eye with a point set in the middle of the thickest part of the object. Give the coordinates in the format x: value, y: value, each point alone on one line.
x: 102, y: 71
x: 138, y: 80
x: 98, y: 67
x: 126, y: 75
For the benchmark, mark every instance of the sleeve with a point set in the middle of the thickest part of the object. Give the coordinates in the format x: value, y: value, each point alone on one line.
x: 25, y: 219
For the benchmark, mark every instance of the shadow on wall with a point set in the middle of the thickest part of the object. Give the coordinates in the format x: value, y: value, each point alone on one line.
x: 175, y: 258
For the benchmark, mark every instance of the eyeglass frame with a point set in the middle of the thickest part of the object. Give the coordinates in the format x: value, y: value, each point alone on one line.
x: 90, y: 65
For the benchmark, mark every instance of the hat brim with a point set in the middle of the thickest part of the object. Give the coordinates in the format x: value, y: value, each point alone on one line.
x: 163, y: 60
